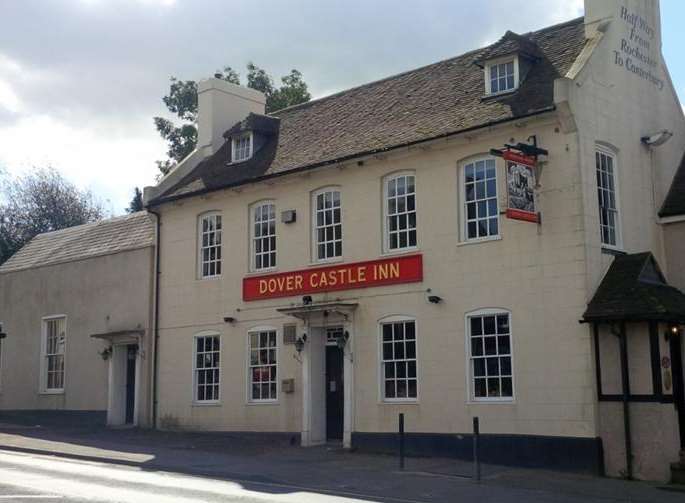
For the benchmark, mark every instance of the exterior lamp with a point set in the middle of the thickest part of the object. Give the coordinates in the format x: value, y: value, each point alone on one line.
x: 2, y: 332
x: 299, y: 343
x: 658, y: 138
x: 672, y: 331
x: 342, y: 339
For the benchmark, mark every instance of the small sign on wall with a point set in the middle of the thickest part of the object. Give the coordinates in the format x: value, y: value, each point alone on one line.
x: 520, y: 187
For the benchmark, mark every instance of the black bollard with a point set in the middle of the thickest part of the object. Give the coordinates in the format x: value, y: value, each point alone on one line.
x: 476, y: 459
x: 401, y: 441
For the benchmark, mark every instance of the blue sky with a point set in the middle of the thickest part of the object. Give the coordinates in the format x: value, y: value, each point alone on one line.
x: 80, y: 80
x: 673, y: 42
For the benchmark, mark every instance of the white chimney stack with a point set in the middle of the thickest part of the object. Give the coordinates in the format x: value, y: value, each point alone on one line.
x: 220, y: 105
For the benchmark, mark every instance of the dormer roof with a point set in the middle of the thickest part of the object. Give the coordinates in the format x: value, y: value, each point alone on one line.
x: 674, y: 204
x: 262, y: 124
x: 510, y: 43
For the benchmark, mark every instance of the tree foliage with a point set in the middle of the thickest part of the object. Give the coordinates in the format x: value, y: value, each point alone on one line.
x: 40, y: 201
x: 182, y: 102
x: 136, y: 203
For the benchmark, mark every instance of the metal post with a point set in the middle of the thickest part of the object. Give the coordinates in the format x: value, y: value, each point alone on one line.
x: 401, y: 441
x: 476, y: 459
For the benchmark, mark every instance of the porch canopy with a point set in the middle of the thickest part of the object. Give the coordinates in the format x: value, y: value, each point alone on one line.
x: 634, y: 289
x: 305, y: 311
x: 120, y: 335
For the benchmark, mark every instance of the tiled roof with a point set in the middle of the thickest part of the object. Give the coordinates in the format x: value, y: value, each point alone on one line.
x: 105, y: 237
x: 430, y: 102
x: 674, y: 204
x: 635, y: 289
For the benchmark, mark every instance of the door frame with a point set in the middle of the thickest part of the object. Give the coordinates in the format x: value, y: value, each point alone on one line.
x: 116, y: 401
x: 314, y: 326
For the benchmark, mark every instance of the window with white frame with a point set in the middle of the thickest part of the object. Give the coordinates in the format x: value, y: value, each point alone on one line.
x: 207, y: 370
x: 481, y: 213
x: 489, y: 335
x: 264, y: 236
x: 400, y: 212
x: 607, y: 196
x: 502, y: 77
x: 263, y: 365
x: 242, y: 147
x: 210, y: 245
x: 53, y: 349
x: 327, y: 224
x: 399, y: 380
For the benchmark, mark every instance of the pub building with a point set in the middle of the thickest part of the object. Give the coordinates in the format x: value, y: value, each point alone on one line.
x: 497, y: 235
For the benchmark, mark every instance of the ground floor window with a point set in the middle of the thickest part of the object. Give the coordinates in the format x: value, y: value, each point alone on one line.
x: 53, y: 348
x: 398, y: 359
x: 263, y: 365
x: 207, y: 368
x: 489, y: 335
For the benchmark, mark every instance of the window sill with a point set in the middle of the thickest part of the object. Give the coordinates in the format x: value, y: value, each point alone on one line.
x: 400, y: 401
x: 331, y: 261
x: 51, y: 392
x: 263, y: 402
x: 262, y: 272
x: 210, y: 278
x: 486, y: 401
x: 612, y: 250
x: 403, y: 251
x: 479, y: 240
x: 213, y: 403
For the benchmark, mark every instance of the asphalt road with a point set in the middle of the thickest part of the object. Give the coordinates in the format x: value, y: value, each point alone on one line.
x: 28, y: 477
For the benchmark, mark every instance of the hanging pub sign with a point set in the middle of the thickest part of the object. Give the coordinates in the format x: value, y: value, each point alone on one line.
x: 390, y: 271
x: 520, y: 186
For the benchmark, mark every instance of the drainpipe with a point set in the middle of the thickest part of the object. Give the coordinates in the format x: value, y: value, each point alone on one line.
x: 155, y: 340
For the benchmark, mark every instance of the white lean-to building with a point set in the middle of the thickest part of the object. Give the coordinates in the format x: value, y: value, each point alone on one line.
x: 498, y: 235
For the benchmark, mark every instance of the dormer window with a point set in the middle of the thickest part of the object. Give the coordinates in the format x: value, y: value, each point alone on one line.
x: 501, y: 76
x: 242, y: 147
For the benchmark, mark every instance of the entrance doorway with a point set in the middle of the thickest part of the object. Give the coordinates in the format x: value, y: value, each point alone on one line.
x: 335, y: 397
x: 131, y: 354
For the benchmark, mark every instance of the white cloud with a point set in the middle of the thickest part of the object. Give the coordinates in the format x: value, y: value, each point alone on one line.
x: 108, y: 162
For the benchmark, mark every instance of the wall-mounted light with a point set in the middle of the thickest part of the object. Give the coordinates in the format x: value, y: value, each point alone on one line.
x: 432, y: 298
x: 299, y: 343
x: 2, y: 332
x: 341, y: 340
x: 229, y: 319
x: 306, y: 300
x: 657, y: 139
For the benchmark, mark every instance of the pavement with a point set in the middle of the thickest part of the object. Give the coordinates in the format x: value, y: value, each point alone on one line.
x: 73, y: 462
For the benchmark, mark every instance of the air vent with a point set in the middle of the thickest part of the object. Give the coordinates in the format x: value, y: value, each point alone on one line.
x: 289, y: 333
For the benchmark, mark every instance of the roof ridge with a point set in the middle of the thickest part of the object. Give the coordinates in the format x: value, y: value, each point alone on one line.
x: 423, y: 67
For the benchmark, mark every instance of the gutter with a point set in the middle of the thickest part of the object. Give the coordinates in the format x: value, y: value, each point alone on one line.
x: 155, y: 339
x: 359, y: 155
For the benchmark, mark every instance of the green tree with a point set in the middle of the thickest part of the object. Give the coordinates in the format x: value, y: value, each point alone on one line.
x: 40, y: 201
x: 182, y: 102
x: 136, y: 203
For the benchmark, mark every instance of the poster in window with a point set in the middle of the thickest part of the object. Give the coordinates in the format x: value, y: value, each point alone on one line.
x: 520, y: 187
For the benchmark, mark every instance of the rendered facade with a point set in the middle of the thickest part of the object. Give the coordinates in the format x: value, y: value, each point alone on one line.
x: 324, y: 268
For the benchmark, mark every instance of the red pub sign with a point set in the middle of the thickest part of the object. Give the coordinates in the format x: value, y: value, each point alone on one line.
x: 390, y: 271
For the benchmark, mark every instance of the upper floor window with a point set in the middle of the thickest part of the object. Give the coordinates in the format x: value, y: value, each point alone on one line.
x: 327, y: 224
x: 210, y: 245
x: 399, y: 379
x: 400, y: 212
x: 489, y: 337
x: 53, y: 345
x: 480, y: 211
x: 608, y: 200
x: 242, y: 147
x: 501, y: 76
x: 262, y: 365
x: 207, y: 368
x: 263, y: 236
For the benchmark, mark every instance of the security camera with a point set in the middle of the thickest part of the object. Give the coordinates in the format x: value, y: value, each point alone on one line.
x: 658, y: 138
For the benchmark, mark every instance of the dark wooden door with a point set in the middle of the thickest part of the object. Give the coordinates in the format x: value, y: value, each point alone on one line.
x: 131, y: 352
x: 334, y: 393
